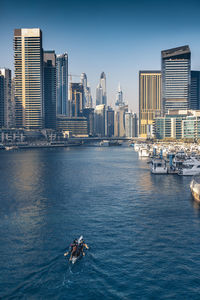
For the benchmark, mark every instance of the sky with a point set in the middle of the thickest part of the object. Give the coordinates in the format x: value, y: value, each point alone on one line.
x: 117, y: 37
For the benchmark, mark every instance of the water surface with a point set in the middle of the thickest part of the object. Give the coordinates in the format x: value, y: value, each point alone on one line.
x: 143, y: 230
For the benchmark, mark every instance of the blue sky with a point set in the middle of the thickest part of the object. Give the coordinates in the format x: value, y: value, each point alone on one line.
x: 117, y: 37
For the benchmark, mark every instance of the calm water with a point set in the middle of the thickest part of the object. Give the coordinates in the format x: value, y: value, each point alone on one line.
x: 143, y: 230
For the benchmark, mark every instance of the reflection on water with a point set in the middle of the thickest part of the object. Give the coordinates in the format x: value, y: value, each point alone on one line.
x: 142, y: 229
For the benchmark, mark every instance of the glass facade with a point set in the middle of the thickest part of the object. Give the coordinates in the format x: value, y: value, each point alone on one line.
x: 176, y: 78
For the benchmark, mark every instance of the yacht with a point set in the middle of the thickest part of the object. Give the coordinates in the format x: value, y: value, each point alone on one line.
x: 190, y: 167
x: 143, y: 152
x: 195, y: 188
x: 158, y: 166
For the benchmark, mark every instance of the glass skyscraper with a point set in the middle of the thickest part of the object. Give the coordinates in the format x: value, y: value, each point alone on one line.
x: 62, y: 84
x: 195, y: 90
x: 176, y: 78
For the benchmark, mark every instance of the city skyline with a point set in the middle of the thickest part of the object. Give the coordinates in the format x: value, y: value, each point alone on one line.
x: 98, y: 43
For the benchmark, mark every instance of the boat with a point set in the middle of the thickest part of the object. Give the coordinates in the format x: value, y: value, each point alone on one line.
x: 114, y: 143
x: 143, y: 152
x: 195, y: 188
x: 158, y: 166
x: 80, y: 245
x: 104, y: 143
x: 190, y: 167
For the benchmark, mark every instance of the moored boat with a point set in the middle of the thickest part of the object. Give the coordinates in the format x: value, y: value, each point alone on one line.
x: 195, y: 188
x: 158, y: 166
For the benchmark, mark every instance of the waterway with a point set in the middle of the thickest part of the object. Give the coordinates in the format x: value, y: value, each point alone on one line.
x: 143, y: 230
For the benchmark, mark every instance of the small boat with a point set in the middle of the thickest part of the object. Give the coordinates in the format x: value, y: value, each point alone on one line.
x: 78, y: 253
x: 143, y: 152
x: 158, y: 166
x: 195, y: 188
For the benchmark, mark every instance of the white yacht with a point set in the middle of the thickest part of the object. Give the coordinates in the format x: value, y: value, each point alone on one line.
x: 195, y: 188
x: 190, y: 167
x: 143, y: 152
x: 158, y: 166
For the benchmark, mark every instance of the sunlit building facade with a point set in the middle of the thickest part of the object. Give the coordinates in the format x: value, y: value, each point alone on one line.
x: 149, y: 101
x: 28, y: 60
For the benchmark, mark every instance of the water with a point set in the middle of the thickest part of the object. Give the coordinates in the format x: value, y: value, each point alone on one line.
x: 143, y: 230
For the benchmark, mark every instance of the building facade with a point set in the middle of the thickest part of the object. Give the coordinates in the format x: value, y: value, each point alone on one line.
x: 8, y: 104
x: 195, y: 90
x: 100, y: 120
x: 62, y: 84
x: 49, y: 89
x: 76, y: 99
x: 28, y: 60
x: 130, y: 124
x: 149, y: 101
x: 176, y: 78
x: 76, y: 126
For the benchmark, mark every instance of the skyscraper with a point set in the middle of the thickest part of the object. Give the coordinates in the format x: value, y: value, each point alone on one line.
x: 103, y: 85
x: 76, y: 104
x: 195, y: 90
x: 87, y: 97
x: 131, y: 124
x: 149, y: 101
x: 50, y: 89
x: 100, y: 120
x: 84, y: 84
x: 7, y: 106
x: 62, y: 84
x: 101, y: 95
x: 28, y: 58
x: 176, y: 78
x: 1, y: 101
x: 119, y: 97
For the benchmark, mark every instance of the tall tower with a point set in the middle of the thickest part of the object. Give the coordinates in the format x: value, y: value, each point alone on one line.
x: 7, y: 105
x: 62, y: 84
x: 119, y: 97
x: 50, y: 89
x: 195, y: 90
x: 103, y: 85
x: 84, y: 84
x: 176, y: 78
x: 149, y: 101
x: 28, y: 60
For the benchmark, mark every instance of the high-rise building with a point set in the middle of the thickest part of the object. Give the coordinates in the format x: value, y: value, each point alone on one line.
x: 50, y: 89
x: 28, y: 58
x: 149, y: 101
x: 62, y: 84
x: 87, y: 97
x: 176, y: 78
x: 119, y: 97
x: 84, y: 84
x: 100, y: 120
x: 101, y: 95
x: 131, y: 124
x: 119, y: 126
x: 103, y: 85
x: 7, y: 106
x: 88, y: 113
x: 195, y: 90
x: 76, y: 104
x: 2, y: 95
x: 110, y: 121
